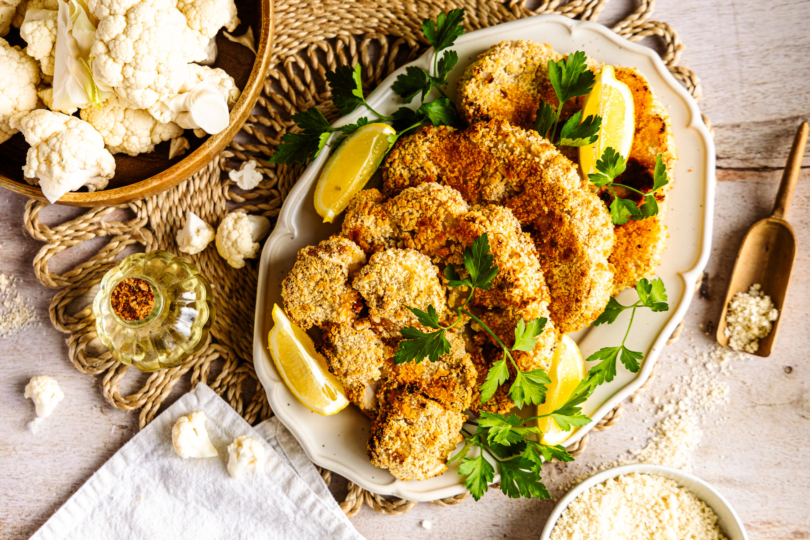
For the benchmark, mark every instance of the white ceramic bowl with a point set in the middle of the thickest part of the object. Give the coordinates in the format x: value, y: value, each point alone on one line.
x: 727, y: 518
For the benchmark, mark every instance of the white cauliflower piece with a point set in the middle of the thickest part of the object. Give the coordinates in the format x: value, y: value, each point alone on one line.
x: 211, y: 52
x: 245, y: 454
x: 190, y: 438
x: 46, y: 394
x: 178, y: 147
x: 39, y: 31
x: 46, y: 95
x: 19, y: 77
x: 195, y: 235
x: 246, y: 40
x: 128, y: 131
x: 208, y: 16
x: 203, y: 102
x: 66, y: 153
x: 25, y: 5
x: 142, y: 49
x: 8, y: 8
x: 238, y: 236
x: 247, y: 177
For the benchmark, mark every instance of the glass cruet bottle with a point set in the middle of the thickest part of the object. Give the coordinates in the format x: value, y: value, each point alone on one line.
x: 154, y: 310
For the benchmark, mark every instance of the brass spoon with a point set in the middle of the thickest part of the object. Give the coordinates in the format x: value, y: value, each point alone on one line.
x: 768, y: 250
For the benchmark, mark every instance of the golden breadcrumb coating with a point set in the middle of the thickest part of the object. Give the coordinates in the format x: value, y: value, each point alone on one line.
x: 507, y: 82
x: 359, y: 358
x: 450, y: 381
x: 396, y: 278
x: 425, y: 215
x: 413, y: 435
x: 317, y: 290
x: 495, y: 162
x: 639, y: 244
x: 368, y: 224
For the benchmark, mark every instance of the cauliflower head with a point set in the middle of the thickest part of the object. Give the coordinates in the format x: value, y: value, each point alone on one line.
x: 245, y: 454
x: 126, y: 130
x: 203, y: 102
x: 190, y: 438
x: 8, y: 9
x: 39, y: 31
x: 142, y: 49
x: 208, y: 16
x: 238, y: 236
x: 25, y: 5
x: 46, y: 394
x: 19, y: 77
x: 195, y: 235
x: 66, y: 153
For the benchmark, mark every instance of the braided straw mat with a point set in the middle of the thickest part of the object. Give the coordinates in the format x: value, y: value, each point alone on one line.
x: 311, y: 38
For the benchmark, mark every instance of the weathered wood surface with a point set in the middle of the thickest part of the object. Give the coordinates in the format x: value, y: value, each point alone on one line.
x: 752, y: 59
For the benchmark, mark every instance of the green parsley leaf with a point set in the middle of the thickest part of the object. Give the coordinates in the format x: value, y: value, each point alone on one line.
x: 461, y: 454
x: 446, y: 64
x: 569, y: 415
x: 479, y: 473
x: 605, y: 370
x: 531, y: 455
x: 575, y: 133
x: 405, y: 118
x: 311, y: 121
x: 612, y: 311
x: 621, y: 210
x: 611, y: 165
x: 649, y: 208
x: 545, y: 120
x: 630, y: 359
x: 412, y: 83
x: 347, y: 88
x: 529, y: 387
x: 660, y: 173
x: 299, y: 147
x: 453, y: 279
x: 554, y: 452
x: 570, y: 77
x: 496, y: 376
x: 429, y: 318
x: 351, y: 128
x: 440, y: 112
x: 444, y: 32
x: 418, y: 345
x: 657, y: 300
x: 479, y: 263
x: 526, y: 334
x: 518, y: 479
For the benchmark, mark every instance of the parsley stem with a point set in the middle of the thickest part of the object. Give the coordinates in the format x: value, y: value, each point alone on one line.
x: 379, y: 116
x: 491, y: 333
x: 632, y: 315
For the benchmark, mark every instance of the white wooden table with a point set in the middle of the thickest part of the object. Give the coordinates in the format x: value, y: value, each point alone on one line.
x: 752, y: 58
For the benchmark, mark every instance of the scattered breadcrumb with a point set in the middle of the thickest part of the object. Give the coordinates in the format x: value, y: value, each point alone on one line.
x: 16, y: 312
x: 749, y: 318
x: 426, y: 524
x: 636, y: 506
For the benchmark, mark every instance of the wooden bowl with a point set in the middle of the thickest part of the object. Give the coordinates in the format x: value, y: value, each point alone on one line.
x: 144, y: 175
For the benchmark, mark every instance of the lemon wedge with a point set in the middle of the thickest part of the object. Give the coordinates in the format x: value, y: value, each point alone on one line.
x: 567, y: 370
x: 304, y: 371
x: 612, y: 100
x: 350, y: 168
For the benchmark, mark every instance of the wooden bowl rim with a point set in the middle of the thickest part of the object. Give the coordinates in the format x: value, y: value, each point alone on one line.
x: 192, y: 163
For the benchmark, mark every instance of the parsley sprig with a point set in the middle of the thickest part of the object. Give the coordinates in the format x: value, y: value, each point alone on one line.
x: 609, y: 168
x: 528, y: 386
x: 347, y: 94
x: 570, y: 78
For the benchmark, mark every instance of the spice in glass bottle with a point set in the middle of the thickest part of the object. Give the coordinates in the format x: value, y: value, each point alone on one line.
x: 132, y: 299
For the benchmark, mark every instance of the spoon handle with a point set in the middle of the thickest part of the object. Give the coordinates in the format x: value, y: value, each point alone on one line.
x: 791, y: 174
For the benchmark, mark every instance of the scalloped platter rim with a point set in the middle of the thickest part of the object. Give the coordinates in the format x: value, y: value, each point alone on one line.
x: 338, y: 442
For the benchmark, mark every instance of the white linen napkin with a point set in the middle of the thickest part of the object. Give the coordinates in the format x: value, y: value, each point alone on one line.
x: 146, y: 491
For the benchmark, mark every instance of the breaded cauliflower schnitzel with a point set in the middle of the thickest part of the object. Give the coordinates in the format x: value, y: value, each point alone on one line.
x: 496, y: 162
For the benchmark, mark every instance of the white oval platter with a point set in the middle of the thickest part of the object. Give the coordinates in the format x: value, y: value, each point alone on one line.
x: 338, y: 442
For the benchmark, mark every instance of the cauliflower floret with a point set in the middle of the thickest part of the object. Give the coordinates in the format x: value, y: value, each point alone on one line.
x: 190, y: 438
x: 8, y: 9
x: 208, y: 16
x: 19, y: 77
x: 247, y: 177
x: 46, y: 394
x: 25, y: 5
x: 178, y: 147
x: 66, y: 153
x: 131, y: 131
x: 245, y: 454
x: 238, y: 236
x: 195, y: 235
x: 142, y: 49
x: 203, y: 102
x: 39, y: 31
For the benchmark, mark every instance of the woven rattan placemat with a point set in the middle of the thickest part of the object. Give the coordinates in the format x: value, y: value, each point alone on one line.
x: 311, y: 38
